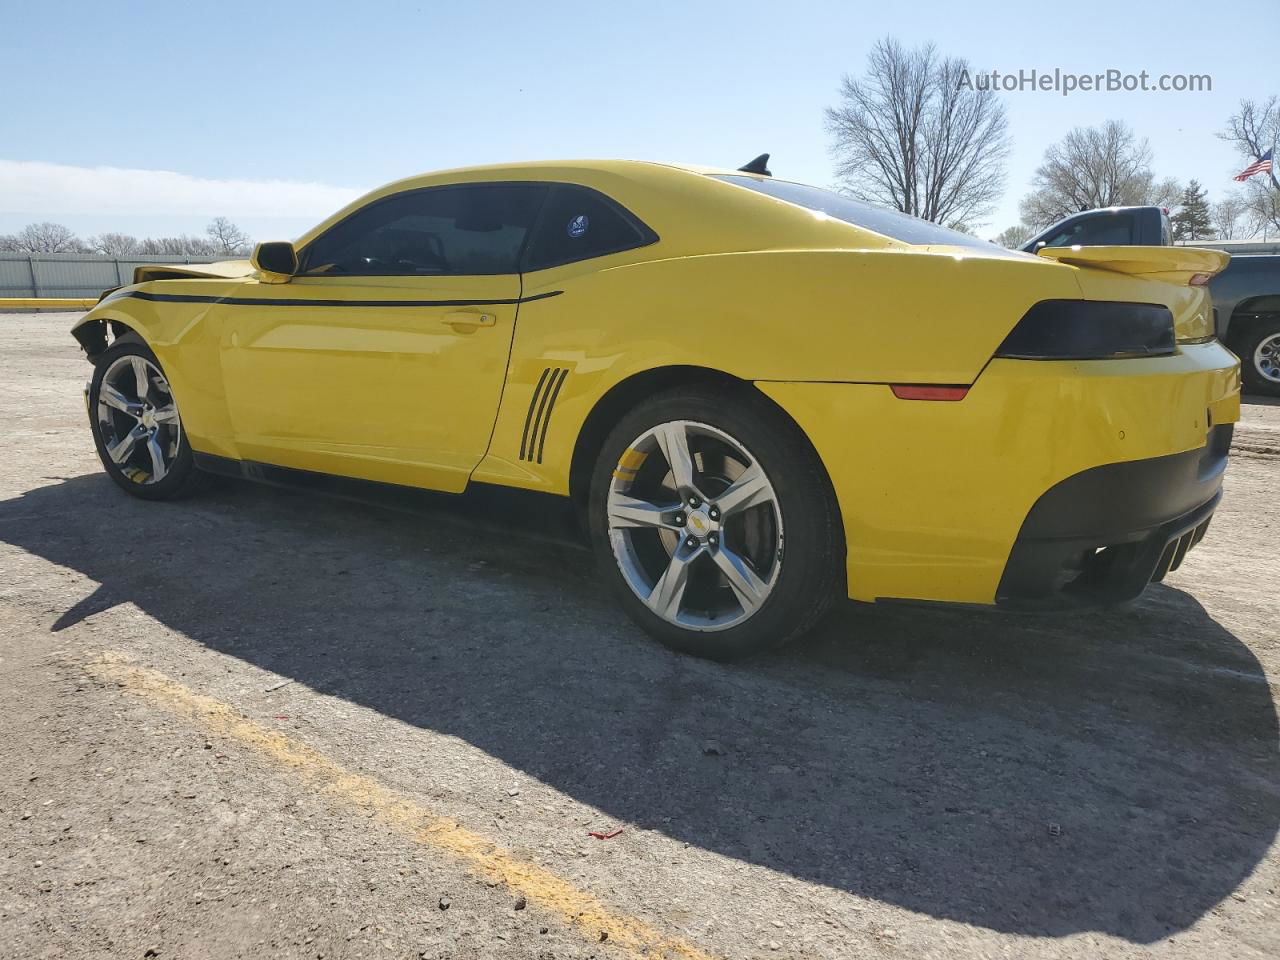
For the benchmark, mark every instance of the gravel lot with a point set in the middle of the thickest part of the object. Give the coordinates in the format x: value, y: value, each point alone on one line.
x: 459, y: 709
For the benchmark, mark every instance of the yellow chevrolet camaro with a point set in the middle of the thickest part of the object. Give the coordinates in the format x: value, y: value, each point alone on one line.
x: 760, y: 395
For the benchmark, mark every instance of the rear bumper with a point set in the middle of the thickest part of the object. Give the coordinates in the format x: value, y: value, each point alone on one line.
x: 935, y: 497
x: 1102, y: 535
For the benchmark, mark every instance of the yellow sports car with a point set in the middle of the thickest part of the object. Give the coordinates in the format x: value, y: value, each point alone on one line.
x: 760, y: 395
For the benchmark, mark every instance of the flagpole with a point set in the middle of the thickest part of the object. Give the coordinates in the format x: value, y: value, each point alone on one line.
x: 1272, y: 171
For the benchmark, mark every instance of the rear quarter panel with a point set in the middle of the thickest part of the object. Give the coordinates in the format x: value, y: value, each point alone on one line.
x: 875, y: 316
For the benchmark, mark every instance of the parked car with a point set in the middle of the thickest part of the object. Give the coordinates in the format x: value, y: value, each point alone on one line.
x: 760, y: 395
x: 1246, y: 295
x: 1246, y: 307
x: 1107, y: 227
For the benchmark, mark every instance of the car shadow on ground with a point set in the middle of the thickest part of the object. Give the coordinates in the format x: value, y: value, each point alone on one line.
x: 1107, y: 771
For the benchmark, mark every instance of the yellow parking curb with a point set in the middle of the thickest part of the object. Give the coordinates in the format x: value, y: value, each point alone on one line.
x: 47, y: 303
x: 576, y: 908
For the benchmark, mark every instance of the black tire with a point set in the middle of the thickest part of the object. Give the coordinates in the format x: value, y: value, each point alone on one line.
x: 182, y: 478
x: 811, y: 570
x: 1255, y: 381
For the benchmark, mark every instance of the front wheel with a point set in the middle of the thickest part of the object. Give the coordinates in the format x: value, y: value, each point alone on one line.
x: 713, y: 519
x: 136, y: 425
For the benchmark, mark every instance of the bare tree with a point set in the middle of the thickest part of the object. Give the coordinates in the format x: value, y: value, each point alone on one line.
x: 1160, y: 193
x: 1264, y: 209
x: 114, y: 244
x: 1090, y: 167
x: 1013, y: 237
x: 46, y: 237
x: 1253, y: 130
x: 1230, y: 217
x: 227, y: 237
x: 910, y: 134
x: 181, y: 245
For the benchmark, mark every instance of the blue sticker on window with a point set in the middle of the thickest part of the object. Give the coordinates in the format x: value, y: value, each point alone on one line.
x: 578, y: 225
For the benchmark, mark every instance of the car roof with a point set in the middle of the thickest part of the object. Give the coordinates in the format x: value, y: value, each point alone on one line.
x: 551, y: 168
x: 650, y: 174
x: 665, y: 196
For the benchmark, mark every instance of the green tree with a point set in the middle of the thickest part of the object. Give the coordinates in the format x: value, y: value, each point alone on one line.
x: 1194, y: 219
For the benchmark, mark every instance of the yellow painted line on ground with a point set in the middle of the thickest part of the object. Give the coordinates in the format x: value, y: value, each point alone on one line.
x: 576, y: 908
x: 46, y: 303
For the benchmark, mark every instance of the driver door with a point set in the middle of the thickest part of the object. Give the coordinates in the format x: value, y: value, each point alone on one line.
x: 385, y: 357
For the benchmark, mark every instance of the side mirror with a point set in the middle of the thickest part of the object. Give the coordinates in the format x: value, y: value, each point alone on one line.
x: 278, y: 261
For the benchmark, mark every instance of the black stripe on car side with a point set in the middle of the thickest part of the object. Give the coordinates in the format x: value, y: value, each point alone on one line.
x: 546, y: 423
x: 270, y: 302
x: 528, y: 417
x: 542, y: 408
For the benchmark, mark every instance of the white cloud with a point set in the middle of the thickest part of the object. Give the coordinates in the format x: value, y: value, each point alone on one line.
x: 54, y: 190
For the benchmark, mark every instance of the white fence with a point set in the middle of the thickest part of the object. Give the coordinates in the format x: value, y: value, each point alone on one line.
x: 74, y: 274
x: 1237, y: 248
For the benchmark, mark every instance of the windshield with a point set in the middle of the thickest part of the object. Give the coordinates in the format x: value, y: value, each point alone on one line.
x: 890, y: 223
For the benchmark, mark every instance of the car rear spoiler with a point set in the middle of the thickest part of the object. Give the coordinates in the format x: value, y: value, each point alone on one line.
x: 1176, y: 265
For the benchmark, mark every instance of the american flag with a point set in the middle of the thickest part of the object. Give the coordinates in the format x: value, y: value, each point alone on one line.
x: 1263, y: 165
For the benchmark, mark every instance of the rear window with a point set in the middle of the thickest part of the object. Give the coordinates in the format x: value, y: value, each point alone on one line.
x: 1106, y: 230
x: 578, y: 223
x: 890, y: 223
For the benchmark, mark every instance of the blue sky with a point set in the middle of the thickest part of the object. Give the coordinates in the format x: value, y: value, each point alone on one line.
x: 326, y: 99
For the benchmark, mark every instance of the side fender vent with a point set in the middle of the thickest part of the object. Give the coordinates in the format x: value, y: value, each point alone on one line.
x: 538, y: 418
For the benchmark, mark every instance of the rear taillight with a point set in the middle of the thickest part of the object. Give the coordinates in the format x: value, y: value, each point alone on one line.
x: 1090, y: 330
x: 1200, y: 279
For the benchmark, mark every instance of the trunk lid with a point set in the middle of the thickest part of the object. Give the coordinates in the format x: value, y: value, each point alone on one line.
x: 1150, y: 275
x: 1170, y: 264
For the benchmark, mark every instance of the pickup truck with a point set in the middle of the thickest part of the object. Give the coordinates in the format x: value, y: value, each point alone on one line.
x: 1246, y: 295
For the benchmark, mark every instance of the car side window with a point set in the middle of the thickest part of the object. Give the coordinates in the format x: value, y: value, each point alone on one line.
x: 1095, y: 232
x: 579, y: 223
x: 457, y: 230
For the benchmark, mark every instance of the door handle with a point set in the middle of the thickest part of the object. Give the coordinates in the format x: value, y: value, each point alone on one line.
x: 468, y: 318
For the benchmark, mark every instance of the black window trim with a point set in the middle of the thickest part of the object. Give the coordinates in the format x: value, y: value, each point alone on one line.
x: 647, y: 235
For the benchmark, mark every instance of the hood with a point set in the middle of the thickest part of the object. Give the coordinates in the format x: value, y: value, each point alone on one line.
x: 222, y: 270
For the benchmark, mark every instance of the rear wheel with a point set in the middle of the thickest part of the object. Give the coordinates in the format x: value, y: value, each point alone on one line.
x: 715, y: 523
x: 1260, y: 357
x: 136, y: 425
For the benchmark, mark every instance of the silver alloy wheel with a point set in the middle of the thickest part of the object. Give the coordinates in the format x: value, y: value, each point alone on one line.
x: 1266, y: 358
x: 695, y: 526
x: 138, y: 419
